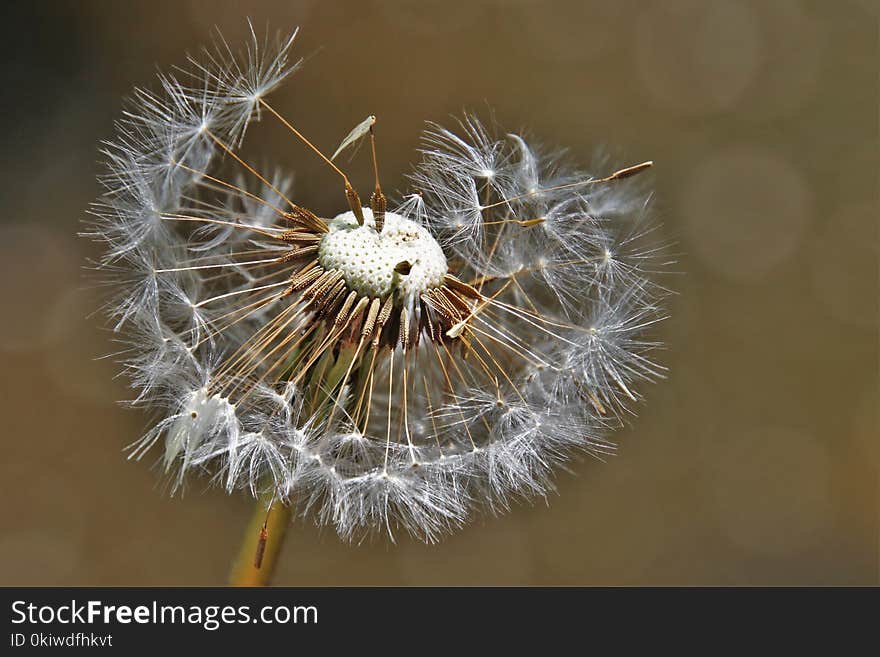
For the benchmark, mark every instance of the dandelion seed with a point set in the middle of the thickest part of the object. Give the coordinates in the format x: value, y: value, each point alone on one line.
x: 379, y: 367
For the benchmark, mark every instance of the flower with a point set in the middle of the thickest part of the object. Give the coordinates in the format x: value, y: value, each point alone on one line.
x: 379, y: 369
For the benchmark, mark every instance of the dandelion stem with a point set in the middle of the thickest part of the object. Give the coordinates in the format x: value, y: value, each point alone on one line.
x: 261, y: 542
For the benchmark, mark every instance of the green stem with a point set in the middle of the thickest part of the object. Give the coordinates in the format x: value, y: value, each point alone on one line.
x: 264, y: 535
x: 245, y: 571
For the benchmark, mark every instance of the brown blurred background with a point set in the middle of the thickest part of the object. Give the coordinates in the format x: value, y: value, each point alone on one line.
x: 755, y: 463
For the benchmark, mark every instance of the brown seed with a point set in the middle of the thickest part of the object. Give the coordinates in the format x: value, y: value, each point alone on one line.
x: 370, y: 323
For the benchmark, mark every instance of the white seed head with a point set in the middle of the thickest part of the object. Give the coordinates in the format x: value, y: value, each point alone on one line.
x: 377, y: 380
x: 370, y: 261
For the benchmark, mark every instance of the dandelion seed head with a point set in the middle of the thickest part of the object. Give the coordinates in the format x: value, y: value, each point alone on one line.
x: 382, y: 368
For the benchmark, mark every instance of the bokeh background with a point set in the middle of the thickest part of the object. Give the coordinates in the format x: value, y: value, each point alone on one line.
x: 755, y: 463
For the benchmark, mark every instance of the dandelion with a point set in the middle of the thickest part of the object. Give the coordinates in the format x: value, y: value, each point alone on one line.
x: 392, y: 366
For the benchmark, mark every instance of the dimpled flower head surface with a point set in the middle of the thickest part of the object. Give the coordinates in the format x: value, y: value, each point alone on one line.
x: 378, y: 366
